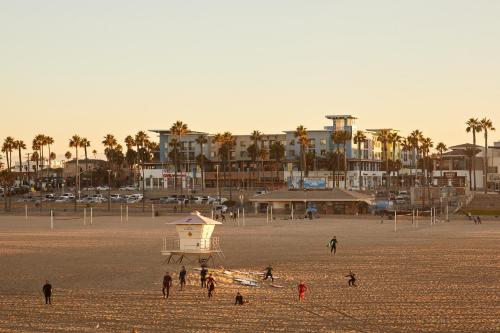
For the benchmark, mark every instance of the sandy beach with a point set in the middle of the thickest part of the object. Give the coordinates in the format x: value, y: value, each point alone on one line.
x: 107, y: 277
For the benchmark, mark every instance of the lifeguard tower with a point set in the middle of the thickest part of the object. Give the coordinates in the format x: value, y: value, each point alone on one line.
x: 195, y: 240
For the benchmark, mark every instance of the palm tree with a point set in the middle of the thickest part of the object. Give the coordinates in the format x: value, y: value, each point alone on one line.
x: 68, y: 155
x: 202, y: 140
x: 426, y: 145
x: 47, y: 140
x: 85, y: 145
x: 486, y: 125
x: 35, y: 157
x: 303, y: 140
x: 415, y: 137
x: 109, y: 143
x: 39, y: 141
x: 441, y: 148
x: 94, y: 152
x: 359, y: 138
x: 254, y: 149
x: 406, y: 144
x: 20, y: 145
x: 474, y: 126
x: 228, y: 142
x: 7, y: 148
x: 76, y: 142
x: 277, y: 153
x: 178, y: 129
x: 471, y: 153
x: 383, y: 136
x: 218, y: 140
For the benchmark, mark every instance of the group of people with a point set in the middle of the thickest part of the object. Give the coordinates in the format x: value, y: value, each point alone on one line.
x: 208, y: 282
x: 232, y: 216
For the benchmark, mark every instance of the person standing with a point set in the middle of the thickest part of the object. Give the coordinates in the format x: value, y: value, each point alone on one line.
x: 302, y: 288
x: 167, y: 283
x: 47, y: 292
x: 203, y: 276
x: 210, y: 286
x: 333, y: 245
x: 239, y: 299
x: 182, y: 277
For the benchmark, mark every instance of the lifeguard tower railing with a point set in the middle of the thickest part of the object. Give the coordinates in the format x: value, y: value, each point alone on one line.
x: 172, y: 245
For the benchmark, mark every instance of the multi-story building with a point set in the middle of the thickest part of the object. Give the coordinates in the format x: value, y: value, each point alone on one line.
x: 243, y: 170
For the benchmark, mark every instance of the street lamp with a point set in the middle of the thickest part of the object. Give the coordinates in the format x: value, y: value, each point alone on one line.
x: 109, y: 190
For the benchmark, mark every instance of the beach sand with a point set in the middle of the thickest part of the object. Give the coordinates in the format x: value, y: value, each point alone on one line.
x: 444, y: 277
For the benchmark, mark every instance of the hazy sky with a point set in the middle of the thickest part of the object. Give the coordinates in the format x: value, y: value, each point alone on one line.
x: 96, y: 67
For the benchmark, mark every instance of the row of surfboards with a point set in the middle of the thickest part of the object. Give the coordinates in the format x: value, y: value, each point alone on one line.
x: 243, y: 278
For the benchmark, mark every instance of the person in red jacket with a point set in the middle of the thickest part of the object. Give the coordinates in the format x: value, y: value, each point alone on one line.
x: 302, y: 288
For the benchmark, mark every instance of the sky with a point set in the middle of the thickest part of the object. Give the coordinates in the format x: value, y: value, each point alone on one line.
x: 98, y: 67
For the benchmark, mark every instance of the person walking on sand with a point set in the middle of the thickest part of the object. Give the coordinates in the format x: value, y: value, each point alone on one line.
x: 211, y: 286
x: 182, y: 277
x: 302, y: 288
x: 203, y: 276
x: 269, y: 273
x: 479, y: 220
x: 210, y: 279
x: 47, y: 292
x: 352, y: 279
x: 239, y: 299
x: 167, y: 284
x: 333, y: 245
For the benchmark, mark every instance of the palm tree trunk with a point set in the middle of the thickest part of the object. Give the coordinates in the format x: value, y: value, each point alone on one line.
x: 20, y: 161
x: 485, y: 183
x: 345, y: 167
x: 474, y: 157
x: 359, y: 167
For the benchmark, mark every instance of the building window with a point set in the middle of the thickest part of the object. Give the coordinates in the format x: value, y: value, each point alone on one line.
x: 243, y: 154
x: 212, y: 154
x: 233, y: 154
x: 243, y: 144
x: 323, y: 152
x: 322, y: 142
x: 292, y: 142
x: 291, y: 153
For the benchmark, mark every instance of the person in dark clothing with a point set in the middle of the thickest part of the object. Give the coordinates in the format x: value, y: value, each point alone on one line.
x: 167, y: 284
x: 211, y: 286
x: 223, y: 217
x: 203, y: 276
x: 210, y: 279
x: 269, y: 273
x: 352, y: 280
x: 182, y: 277
x: 479, y: 220
x: 333, y: 245
x: 239, y: 299
x: 47, y: 292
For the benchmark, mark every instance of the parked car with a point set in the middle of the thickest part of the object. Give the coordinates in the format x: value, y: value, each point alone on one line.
x: 260, y: 192
x: 102, y: 188
x: 134, y: 198
x: 400, y: 200
x: 117, y: 198
x: 221, y: 208
x: 49, y: 197
x: 128, y: 188
x: 89, y: 188
x: 197, y: 200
